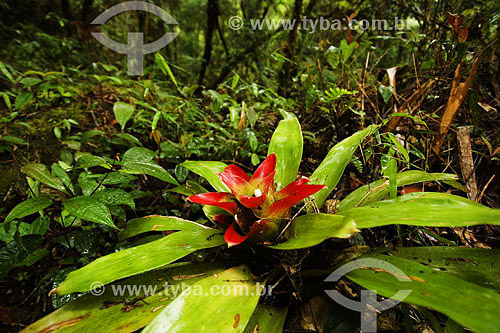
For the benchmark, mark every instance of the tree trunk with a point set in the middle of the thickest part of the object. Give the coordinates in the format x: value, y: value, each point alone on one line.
x: 212, y: 19
x: 289, y: 69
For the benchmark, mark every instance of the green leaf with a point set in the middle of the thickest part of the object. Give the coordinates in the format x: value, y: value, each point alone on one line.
x: 267, y: 318
x: 331, y: 169
x: 379, y: 189
x: 89, y: 209
x: 210, y: 171
x: 158, y: 223
x: 13, y: 140
x: 228, y: 311
x: 165, y: 68
x: 23, y: 99
x: 466, y: 303
x: 476, y: 265
x: 28, y: 207
x: 312, y: 229
x: 123, y: 112
x: 254, y: 142
x: 138, y: 154
x: 386, y: 93
x: 42, y: 174
x: 424, y: 209
x: 255, y: 159
x: 30, y: 81
x: 287, y: 144
x: 89, y: 161
x: 390, y: 172
x: 91, y: 313
x: 181, y: 173
x: 150, y: 168
x: 6, y: 72
x: 139, y: 259
x: 114, y: 196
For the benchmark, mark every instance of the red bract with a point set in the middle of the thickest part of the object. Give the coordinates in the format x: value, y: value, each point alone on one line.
x: 255, y: 209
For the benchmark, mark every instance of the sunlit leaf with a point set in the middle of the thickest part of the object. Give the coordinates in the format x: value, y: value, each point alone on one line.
x: 457, y: 261
x: 123, y: 112
x: 210, y: 171
x: 91, y: 313
x: 158, y: 223
x: 467, y: 303
x: 331, y: 169
x: 287, y: 144
x: 312, y: 229
x: 139, y: 259
x: 379, y: 189
x: 228, y: 308
x: 424, y: 209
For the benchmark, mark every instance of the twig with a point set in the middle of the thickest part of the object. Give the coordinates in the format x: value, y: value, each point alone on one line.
x: 484, y: 188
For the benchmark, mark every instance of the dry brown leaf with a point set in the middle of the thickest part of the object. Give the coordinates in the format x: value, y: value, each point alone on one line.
x: 458, y: 93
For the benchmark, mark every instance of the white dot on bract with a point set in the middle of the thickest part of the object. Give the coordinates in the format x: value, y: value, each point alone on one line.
x: 258, y: 192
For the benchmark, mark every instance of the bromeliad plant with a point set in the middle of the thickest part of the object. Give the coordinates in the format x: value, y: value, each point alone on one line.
x: 257, y: 210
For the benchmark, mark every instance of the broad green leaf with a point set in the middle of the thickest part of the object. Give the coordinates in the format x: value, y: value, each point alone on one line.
x: 60, y: 173
x: 138, y: 154
x: 89, y: 161
x: 13, y: 139
x: 468, y: 304
x: 331, y: 169
x: 158, y: 223
x: 287, y: 144
x: 379, y: 189
x: 89, y: 209
x: 114, y: 196
x: 476, y: 265
x: 424, y: 209
x: 23, y: 99
x: 210, y: 171
x: 150, y: 168
x: 42, y: 174
x: 116, y: 178
x: 146, y: 294
x: 28, y: 207
x: 312, y: 229
x: 223, y: 302
x: 267, y: 318
x: 30, y: 81
x: 123, y: 112
x: 139, y: 259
